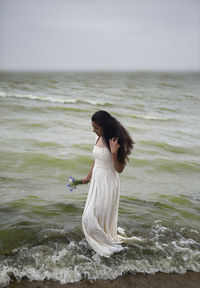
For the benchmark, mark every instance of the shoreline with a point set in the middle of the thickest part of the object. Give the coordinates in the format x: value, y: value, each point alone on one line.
x: 158, y: 280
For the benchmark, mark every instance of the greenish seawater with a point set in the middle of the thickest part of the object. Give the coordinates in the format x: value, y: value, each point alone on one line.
x: 46, y: 137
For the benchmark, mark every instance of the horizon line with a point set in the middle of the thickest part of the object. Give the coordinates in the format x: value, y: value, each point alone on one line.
x: 98, y: 70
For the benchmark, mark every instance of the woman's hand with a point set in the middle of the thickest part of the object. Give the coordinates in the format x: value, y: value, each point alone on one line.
x: 85, y: 180
x: 114, y: 145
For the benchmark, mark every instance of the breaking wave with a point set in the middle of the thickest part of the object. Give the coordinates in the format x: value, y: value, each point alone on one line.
x: 54, y: 99
x: 67, y: 257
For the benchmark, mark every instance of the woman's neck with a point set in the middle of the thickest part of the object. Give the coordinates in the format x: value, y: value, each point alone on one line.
x: 100, y: 142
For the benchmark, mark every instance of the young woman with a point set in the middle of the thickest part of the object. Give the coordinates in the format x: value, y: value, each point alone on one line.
x: 112, y: 146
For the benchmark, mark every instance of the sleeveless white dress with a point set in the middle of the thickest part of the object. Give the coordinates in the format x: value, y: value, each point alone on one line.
x: 100, y: 216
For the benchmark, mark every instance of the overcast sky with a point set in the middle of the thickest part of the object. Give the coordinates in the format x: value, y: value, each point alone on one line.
x: 99, y: 34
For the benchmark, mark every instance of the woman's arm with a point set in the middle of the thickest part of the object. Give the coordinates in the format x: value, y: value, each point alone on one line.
x: 88, y: 177
x: 119, y: 167
x: 114, y: 147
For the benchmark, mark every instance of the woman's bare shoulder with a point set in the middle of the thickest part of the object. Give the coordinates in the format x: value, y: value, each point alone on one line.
x: 96, y: 139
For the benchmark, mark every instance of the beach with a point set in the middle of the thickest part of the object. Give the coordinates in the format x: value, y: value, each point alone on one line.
x: 159, y: 280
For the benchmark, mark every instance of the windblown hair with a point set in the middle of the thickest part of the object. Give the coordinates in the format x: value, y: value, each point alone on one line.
x: 112, y: 128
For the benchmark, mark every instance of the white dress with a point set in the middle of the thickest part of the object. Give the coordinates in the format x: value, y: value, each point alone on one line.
x: 100, y: 216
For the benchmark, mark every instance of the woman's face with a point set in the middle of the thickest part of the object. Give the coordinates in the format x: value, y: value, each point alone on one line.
x: 97, y: 129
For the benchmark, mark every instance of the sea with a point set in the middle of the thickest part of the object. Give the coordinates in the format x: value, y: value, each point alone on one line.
x: 46, y: 137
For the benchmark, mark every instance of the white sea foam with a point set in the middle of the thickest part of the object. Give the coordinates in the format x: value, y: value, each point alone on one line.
x: 2, y: 94
x: 150, y: 117
x: 71, y: 263
x: 53, y: 99
x: 4, y: 278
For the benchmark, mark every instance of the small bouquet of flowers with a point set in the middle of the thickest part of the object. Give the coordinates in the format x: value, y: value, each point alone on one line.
x: 72, y: 183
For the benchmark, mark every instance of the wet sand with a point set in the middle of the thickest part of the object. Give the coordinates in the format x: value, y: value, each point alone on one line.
x: 159, y: 280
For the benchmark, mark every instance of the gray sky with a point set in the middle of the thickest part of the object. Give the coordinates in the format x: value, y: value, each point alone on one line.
x: 99, y: 35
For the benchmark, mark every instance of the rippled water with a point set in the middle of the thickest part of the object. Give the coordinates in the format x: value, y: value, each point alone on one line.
x: 46, y: 137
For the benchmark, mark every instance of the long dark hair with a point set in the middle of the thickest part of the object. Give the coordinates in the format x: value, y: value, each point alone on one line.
x: 112, y: 128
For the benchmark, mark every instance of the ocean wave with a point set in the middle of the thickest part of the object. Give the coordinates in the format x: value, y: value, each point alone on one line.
x: 169, y: 85
x: 55, y: 99
x: 150, y: 117
x: 177, y: 149
x: 167, y: 164
x: 67, y: 257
